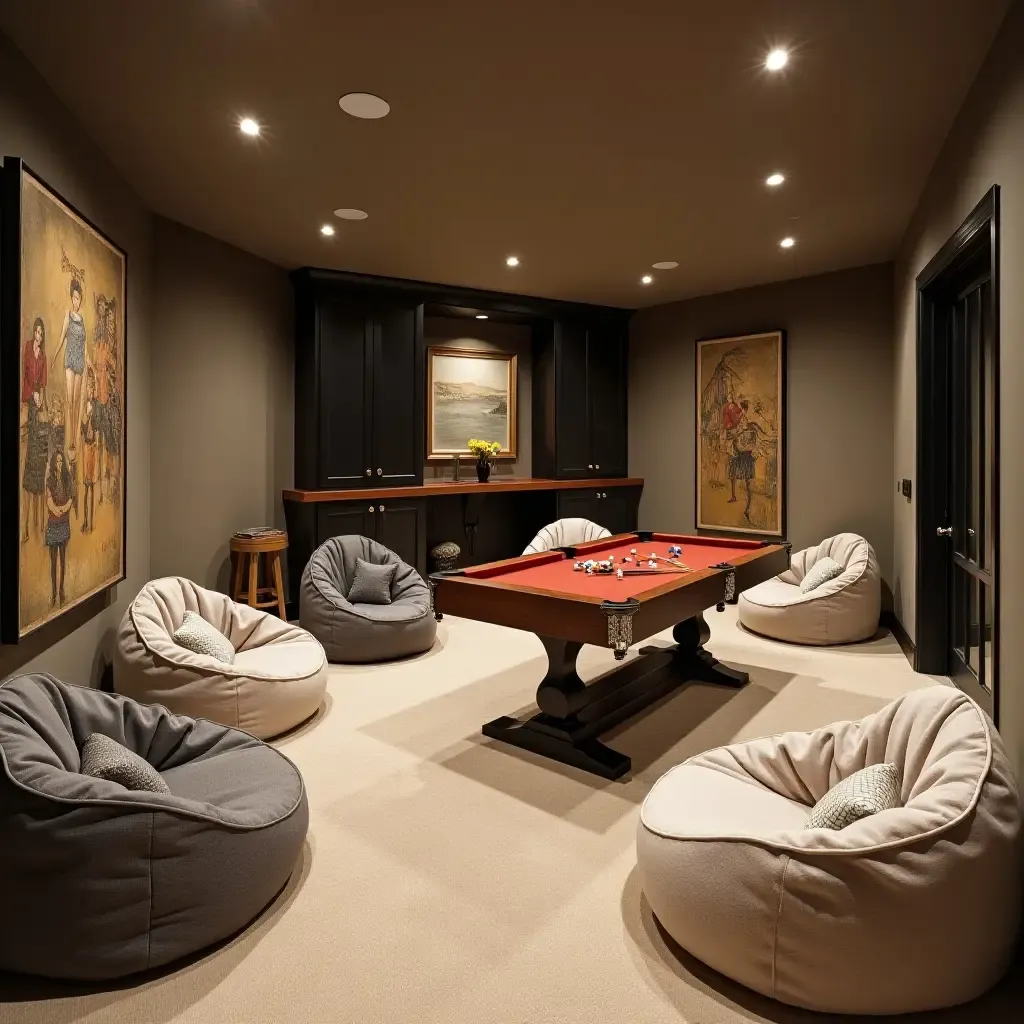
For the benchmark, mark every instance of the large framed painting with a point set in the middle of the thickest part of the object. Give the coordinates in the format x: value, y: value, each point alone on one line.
x: 470, y: 394
x: 741, y: 434
x: 63, y: 291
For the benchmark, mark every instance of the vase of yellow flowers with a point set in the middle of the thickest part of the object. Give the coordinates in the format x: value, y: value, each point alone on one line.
x: 484, y: 452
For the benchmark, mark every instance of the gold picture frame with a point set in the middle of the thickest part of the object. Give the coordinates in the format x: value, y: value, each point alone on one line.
x: 471, y: 392
x: 741, y: 434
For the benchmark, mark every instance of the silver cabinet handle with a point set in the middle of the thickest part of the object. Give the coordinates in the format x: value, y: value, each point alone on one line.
x: 598, y: 495
x: 371, y: 508
x: 369, y: 472
x: 590, y: 467
x: 380, y: 472
x: 970, y: 532
x: 380, y: 508
x: 944, y: 531
x: 604, y: 494
x: 596, y: 466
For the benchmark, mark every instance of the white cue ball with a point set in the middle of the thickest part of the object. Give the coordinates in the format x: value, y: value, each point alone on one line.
x: 619, y: 574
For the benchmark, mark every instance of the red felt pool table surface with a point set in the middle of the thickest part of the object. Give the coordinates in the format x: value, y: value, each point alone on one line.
x: 553, y: 571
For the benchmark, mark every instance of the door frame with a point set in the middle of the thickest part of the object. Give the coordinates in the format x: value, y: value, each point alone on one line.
x: 980, y: 228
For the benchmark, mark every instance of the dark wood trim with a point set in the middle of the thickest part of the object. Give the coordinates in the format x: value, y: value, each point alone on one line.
x: 980, y: 228
x: 442, y: 487
x: 890, y: 622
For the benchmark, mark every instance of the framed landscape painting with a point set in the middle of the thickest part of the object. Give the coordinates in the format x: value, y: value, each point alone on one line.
x: 470, y: 394
x: 741, y: 442
x: 63, y: 291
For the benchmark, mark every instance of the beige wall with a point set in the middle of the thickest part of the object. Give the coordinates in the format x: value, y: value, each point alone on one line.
x: 839, y: 366
x: 222, y: 399
x: 985, y: 147
x: 489, y: 335
x: 34, y: 125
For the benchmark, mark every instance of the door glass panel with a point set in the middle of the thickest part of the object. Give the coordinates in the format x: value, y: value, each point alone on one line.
x: 958, y: 490
x: 988, y: 457
x: 959, y: 611
x: 987, y: 638
x: 973, y: 626
x: 974, y: 421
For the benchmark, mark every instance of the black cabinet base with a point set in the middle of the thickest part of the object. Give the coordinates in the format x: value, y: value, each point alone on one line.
x: 586, y: 711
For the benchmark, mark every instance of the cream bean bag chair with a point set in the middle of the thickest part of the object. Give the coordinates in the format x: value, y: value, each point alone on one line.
x: 277, y: 680
x: 909, y: 909
x: 564, y: 534
x: 842, y: 610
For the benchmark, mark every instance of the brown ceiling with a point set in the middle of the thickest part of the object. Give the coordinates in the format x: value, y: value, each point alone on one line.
x: 590, y: 137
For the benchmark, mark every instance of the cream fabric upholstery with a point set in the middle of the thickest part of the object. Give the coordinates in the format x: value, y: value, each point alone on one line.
x: 277, y: 680
x: 840, y: 611
x: 565, y: 533
x: 912, y: 908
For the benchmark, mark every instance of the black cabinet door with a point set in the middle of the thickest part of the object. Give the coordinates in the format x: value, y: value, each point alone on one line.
x: 606, y: 394
x: 572, y: 427
x: 397, y: 395
x: 402, y: 527
x: 580, y: 504
x: 617, y: 511
x: 337, y: 519
x: 344, y: 383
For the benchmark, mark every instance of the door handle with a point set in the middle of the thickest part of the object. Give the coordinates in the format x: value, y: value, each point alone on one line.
x: 944, y: 531
x: 369, y: 472
x: 604, y: 494
x: 590, y: 467
x: 598, y: 495
x: 380, y: 508
x: 596, y: 466
x: 371, y: 508
x: 380, y: 472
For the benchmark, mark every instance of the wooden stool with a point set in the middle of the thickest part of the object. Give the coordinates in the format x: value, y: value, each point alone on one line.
x: 254, y: 595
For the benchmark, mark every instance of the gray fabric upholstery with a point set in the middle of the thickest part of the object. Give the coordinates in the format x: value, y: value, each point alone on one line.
x: 356, y: 632
x: 104, y: 758
x: 372, y: 583
x: 112, y: 881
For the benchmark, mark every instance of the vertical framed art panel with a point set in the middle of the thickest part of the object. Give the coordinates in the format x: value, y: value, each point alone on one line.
x: 741, y: 434
x: 63, y: 293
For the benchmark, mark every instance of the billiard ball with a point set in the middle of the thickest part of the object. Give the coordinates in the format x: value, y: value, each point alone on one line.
x: 619, y: 573
x: 632, y: 551
x: 577, y: 567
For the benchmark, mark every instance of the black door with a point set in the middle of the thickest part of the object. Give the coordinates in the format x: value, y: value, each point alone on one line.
x: 957, y: 623
x: 606, y: 394
x: 339, y: 519
x: 345, y: 378
x: 617, y: 510
x: 972, y: 561
x: 580, y: 504
x: 397, y: 396
x: 572, y: 420
x: 401, y: 526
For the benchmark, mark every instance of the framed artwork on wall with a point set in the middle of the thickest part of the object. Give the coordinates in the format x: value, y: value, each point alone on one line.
x: 63, y: 292
x: 470, y: 394
x: 741, y: 434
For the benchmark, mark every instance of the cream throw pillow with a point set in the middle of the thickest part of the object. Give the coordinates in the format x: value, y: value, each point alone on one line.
x: 195, y: 634
x: 872, y: 789
x: 824, y: 569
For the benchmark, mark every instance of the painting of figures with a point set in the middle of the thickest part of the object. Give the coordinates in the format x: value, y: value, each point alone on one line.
x: 740, y: 434
x: 64, y: 341
x: 470, y: 394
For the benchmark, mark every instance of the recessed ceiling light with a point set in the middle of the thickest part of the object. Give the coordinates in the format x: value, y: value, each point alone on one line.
x: 351, y: 214
x: 646, y: 279
x: 665, y: 265
x: 777, y: 59
x: 788, y: 243
x: 774, y: 179
x: 481, y: 316
x: 512, y: 261
x: 327, y: 230
x: 248, y: 126
x: 365, y: 105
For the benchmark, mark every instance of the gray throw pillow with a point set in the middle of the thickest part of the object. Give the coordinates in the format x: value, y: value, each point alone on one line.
x: 372, y: 583
x: 872, y: 789
x: 104, y: 758
x: 195, y: 634
x: 823, y: 569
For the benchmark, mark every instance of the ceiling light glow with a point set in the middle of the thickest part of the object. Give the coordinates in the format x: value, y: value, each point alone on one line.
x: 351, y: 214
x: 327, y: 230
x: 364, y: 105
x: 512, y: 261
x: 777, y: 59
x: 646, y: 279
x: 774, y: 180
x: 665, y: 265
x: 248, y: 126
x: 481, y: 316
x: 787, y: 243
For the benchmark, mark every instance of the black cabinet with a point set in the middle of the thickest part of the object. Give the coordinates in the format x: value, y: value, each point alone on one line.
x: 398, y: 524
x: 614, y: 508
x: 580, y: 417
x: 359, y: 401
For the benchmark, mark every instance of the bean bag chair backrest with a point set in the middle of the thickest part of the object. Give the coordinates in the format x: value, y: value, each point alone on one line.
x: 851, y: 551
x: 565, y: 533
x: 332, y: 568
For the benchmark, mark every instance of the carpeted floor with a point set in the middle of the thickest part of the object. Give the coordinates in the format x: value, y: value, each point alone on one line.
x: 449, y: 880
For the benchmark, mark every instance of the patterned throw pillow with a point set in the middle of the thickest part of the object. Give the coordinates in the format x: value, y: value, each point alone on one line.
x: 104, y: 758
x: 372, y: 583
x: 195, y: 634
x: 872, y: 789
x: 824, y: 569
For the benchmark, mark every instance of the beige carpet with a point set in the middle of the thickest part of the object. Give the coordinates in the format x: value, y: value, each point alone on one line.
x: 447, y: 879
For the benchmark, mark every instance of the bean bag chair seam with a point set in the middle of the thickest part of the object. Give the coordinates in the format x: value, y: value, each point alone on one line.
x: 810, y: 598
x: 787, y: 860
x: 858, y: 851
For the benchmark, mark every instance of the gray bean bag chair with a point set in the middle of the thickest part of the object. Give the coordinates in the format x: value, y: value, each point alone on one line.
x: 363, y: 632
x: 103, y: 881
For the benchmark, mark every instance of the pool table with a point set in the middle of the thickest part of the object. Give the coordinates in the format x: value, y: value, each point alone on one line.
x: 567, y: 608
